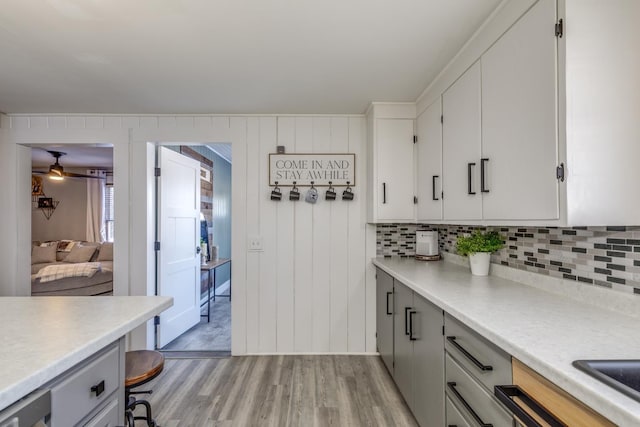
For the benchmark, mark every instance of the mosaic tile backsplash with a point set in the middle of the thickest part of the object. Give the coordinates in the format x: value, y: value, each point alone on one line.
x: 601, y: 256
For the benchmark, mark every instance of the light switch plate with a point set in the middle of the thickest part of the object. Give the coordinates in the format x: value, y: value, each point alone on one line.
x: 254, y: 244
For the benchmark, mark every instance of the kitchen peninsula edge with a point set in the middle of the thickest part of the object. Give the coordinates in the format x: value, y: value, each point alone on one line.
x: 43, y: 337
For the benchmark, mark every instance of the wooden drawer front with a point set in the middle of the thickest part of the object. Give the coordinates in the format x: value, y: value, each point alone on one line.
x: 110, y: 416
x: 454, y: 416
x: 483, y: 351
x: 475, y: 396
x: 556, y: 401
x: 72, y: 399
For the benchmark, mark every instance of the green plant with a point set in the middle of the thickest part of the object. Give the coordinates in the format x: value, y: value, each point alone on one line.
x: 478, y: 241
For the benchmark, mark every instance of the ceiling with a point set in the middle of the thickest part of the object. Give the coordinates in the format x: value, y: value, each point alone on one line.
x: 77, y: 156
x: 222, y: 150
x: 225, y: 56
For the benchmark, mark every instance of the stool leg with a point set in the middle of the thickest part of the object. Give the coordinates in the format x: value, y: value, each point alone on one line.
x: 131, y: 422
x: 150, y: 421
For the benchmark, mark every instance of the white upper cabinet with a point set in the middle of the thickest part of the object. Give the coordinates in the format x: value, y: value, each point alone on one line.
x: 429, y: 163
x: 391, y: 163
x: 602, y: 118
x: 519, y: 120
x: 461, y: 147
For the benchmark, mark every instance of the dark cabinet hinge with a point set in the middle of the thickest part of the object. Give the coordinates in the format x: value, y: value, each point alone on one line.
x: 156, y: 172
x: 441, y: 118
x: 442, y: 330
x: 415, y: 138
x: 156, y: 320
x: 415, y: 200
x: 156, y: 246
x: 560, y: 172
x: 560, y: 28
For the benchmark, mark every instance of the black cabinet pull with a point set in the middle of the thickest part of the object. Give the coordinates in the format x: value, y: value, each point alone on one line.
x: 504, y: 393
x: 433, y: 187
x: 483, y: 189
x: 468, y: 355
x: 384, y: 193
x: 388, y: 293
x: 98, y: 389
x: 476, y: 417
x: 406, y: 320
x: 411, y: 337
x: 469, y: 167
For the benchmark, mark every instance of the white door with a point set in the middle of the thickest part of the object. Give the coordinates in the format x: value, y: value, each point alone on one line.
x: 519, y: 133
x: 461, y: 144
x: 429, y: 153
x: 394, y: 147
x: 179, y: 233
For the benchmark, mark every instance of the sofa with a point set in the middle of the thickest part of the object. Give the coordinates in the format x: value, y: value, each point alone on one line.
x: 69, y: 267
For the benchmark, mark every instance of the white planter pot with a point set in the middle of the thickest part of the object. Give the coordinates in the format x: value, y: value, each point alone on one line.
x: 479, y: 263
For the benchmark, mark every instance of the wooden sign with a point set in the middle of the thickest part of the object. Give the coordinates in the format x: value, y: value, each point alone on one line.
x: 285, y: 169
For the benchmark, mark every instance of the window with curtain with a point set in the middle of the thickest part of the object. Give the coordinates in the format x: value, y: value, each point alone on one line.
x: 108, y: 212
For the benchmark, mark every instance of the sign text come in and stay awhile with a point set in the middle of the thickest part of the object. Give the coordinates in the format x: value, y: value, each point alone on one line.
x: 305, y: 168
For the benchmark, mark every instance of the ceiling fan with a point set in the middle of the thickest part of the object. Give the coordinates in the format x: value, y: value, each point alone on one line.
x: 56, y: 171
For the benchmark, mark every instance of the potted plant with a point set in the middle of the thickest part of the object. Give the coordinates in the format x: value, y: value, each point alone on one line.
x: 478, y: 246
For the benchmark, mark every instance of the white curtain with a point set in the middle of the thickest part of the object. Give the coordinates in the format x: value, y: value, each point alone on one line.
x: 95, y: 206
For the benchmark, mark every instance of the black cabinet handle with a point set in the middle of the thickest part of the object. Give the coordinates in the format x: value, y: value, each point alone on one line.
x: 384, y: 193
x: 406, y: 320
x: 411, y: 337
x: 469, y: 167
x: 388, y: 293
x: 98, y: 389
x: 468, y: 355
x: 433, y: 187
x: 504, y: 393
x: 483, y: 189
x: 476, y: 417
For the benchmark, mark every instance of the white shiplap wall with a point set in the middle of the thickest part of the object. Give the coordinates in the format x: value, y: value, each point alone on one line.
x: 306, y: 291
x: 311, y: 290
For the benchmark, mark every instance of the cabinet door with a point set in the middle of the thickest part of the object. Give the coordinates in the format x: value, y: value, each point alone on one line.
x: 428, y: 363
x: 429, y: 165
x: 519, y: 116
x: 110, y: 416
x: 384, y: 318
x: 403, y: 348
x: 461, y: 143
x: 394, y: 149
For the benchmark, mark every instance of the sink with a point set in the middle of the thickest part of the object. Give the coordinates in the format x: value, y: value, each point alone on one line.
x: 622, y: 375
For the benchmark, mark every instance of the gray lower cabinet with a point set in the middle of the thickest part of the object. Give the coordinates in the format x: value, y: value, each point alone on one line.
x: 384, y: 318
x: 474, y: 366
x: 419, y: 355
x: 92, y: 392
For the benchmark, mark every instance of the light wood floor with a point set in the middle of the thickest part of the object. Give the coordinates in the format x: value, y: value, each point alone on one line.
x: 277, y: 391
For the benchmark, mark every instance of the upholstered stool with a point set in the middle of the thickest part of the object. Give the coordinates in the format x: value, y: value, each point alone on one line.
x: 141, y: 366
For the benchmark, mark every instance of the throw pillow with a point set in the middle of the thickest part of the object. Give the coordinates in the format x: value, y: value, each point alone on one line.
x: 42, y: 254
x: 80, y: 254
x: 106, y: 252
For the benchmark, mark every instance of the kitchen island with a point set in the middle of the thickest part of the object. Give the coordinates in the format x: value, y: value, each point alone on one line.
x: 545, y: 330
x: 45, y: 337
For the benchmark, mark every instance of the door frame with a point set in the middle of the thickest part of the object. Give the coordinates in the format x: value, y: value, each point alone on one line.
x: 133, y: 141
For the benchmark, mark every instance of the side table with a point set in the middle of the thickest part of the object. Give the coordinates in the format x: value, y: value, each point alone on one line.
x: 209, y: 267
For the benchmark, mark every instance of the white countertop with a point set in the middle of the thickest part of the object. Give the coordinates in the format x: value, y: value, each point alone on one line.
x: 42, y: 337
x: 544, y: 330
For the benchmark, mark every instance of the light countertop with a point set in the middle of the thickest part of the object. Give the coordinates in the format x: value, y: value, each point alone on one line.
x: 43, y: 337
x: 545, y: 330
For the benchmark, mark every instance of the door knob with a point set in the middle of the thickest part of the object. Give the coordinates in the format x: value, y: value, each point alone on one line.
x: 198, y: 249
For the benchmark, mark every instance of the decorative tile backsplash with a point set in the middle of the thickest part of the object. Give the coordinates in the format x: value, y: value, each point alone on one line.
x: 601, y: 256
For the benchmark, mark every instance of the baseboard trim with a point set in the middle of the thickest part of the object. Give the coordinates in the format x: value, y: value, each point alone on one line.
x: 190, y: 354
x: 312, y: 354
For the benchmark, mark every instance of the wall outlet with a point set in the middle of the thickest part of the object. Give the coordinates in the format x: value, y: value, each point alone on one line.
x: 254, y: 244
